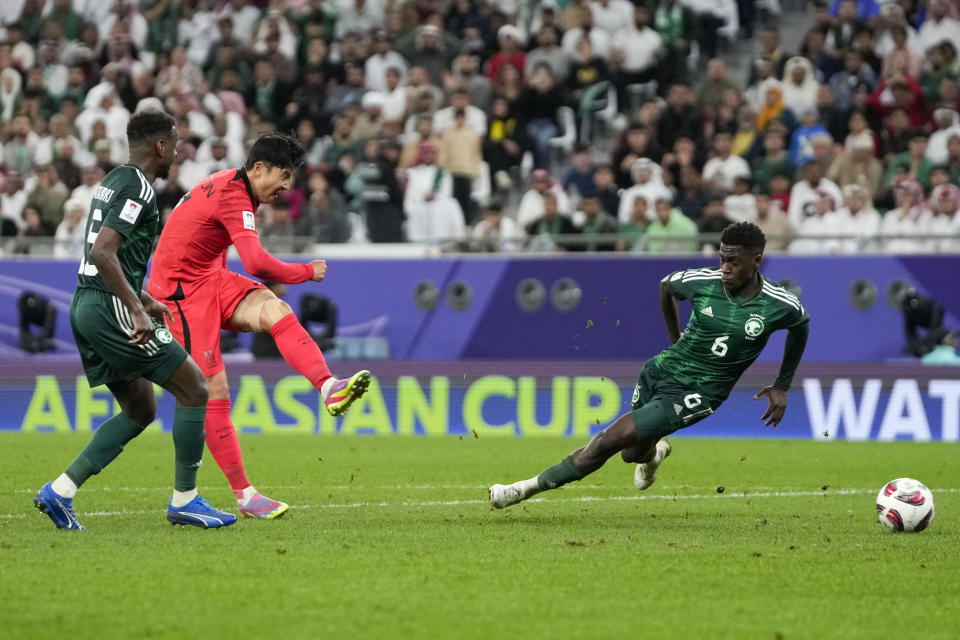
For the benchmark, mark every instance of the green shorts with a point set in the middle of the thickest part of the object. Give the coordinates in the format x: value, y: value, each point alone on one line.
x: 661, y: 405
x: 101, y: 326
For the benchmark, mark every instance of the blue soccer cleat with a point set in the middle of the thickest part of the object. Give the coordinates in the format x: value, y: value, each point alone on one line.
x: 59, y: 509
x: 199, y: 513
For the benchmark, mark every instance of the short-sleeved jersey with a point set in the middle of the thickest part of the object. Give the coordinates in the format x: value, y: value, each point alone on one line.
x: 126, y: 202
x: 724, y: 334
x: 202, y: 227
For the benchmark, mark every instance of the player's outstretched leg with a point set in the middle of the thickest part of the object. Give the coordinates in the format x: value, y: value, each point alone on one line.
x: 582, y: 462
x: 186, y: 507
x: 646, y: 472
x: 262, y: 310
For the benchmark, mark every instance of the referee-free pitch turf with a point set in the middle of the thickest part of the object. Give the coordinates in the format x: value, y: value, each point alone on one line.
x: 394, y: 538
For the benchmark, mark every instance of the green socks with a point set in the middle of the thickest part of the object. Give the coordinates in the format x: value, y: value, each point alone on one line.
x: 559, y: 474
x: 109, y: 438
x: 188, y: 442
x: 106, y: 444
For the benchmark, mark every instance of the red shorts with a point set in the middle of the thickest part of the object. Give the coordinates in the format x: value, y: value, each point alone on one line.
x: 201, y: 309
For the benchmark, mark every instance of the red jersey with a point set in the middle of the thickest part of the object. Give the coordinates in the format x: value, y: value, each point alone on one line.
x: 216, y: 213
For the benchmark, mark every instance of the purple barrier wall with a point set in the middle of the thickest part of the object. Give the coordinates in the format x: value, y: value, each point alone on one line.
x: 617, y: 316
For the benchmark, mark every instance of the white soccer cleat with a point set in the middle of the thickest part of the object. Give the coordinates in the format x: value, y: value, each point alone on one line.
x: 504, y: 495
x: 646, y: 473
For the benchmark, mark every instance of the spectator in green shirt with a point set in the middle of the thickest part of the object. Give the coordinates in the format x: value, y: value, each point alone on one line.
x: 671, y: 231
x: 632, y: 230
x: 913, y: 161
x: 775, y: 160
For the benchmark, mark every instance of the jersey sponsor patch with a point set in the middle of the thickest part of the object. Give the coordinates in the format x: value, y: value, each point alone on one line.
x: 249, y: 222
x: 131, y: 211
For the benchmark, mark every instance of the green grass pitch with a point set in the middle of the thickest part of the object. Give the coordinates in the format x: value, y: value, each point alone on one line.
x: 394, y: 538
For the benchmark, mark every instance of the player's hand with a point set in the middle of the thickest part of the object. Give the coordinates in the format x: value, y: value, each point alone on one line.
x: 143, y: 327
x: 155, y: 309
x: 776, y: 405
x: 319, y: 269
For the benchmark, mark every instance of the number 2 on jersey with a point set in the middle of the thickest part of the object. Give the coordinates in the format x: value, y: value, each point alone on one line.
x: 720, y: 346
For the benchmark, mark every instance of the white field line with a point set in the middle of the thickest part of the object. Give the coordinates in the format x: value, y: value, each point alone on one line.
x: 401, y: 487
x: 453, y: 503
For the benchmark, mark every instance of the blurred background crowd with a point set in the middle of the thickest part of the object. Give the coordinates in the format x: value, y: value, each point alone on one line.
x: 503, y: 125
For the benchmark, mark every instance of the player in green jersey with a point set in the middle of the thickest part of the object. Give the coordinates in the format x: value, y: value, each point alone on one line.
x: 121, y: 334
x: 735, y: 309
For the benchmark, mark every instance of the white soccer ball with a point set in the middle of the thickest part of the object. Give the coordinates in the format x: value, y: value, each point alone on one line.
x: 905, y: 505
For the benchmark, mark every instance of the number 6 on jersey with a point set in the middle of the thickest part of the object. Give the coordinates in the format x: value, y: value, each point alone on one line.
x: 720, y: 346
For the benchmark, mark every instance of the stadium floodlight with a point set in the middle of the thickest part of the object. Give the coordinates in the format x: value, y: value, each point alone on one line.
x: 36, y: 311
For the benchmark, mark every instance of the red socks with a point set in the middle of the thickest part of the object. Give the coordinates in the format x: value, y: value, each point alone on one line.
x: 224, y: 445
x: 299, y: 350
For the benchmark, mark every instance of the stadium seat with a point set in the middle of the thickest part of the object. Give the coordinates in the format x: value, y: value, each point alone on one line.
x: 481, y: 190
x: 602, y: 119
x: 568, y: 132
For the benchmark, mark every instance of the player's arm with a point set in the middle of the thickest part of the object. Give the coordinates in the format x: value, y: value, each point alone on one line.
x: 263, y: 266
x: 670, y: 310
x: 155, y: 309
x: 239, y: 221
x: 672, y: 289
x: 103, y: 255
x: 776, y: 393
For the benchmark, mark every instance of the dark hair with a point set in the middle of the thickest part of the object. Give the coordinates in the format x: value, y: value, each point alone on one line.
x: 276, y: 150
x: 744, y: 234
x: 147, y: 126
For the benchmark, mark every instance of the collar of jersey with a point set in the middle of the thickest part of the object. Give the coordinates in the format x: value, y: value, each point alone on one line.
x: 242, y: 173
x: 740, y: 300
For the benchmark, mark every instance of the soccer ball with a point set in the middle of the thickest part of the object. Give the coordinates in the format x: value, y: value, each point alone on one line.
x: 905, y: 505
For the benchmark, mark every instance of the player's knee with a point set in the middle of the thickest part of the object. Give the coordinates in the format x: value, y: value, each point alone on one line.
x: 144, y: 412
x: 218, y: 388
x: 194, y: 391
x: 273, y: 311
x: 196, y: 395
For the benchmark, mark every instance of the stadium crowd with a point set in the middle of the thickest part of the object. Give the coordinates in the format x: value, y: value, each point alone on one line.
x: 548, y: 125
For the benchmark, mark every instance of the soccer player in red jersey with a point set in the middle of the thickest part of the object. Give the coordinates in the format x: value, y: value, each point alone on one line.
x: 190, y: 275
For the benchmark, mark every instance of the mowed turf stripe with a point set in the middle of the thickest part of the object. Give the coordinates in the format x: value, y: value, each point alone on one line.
x: 452, y: 503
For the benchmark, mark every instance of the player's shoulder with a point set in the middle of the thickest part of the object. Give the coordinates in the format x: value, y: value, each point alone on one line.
x: 229, y: 183
x: 780, y: 296
x: 685, y: 276
x: 130, y: 181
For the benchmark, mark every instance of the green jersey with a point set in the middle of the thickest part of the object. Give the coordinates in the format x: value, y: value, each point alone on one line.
x: 725, y: 334
x: 126, y: 202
